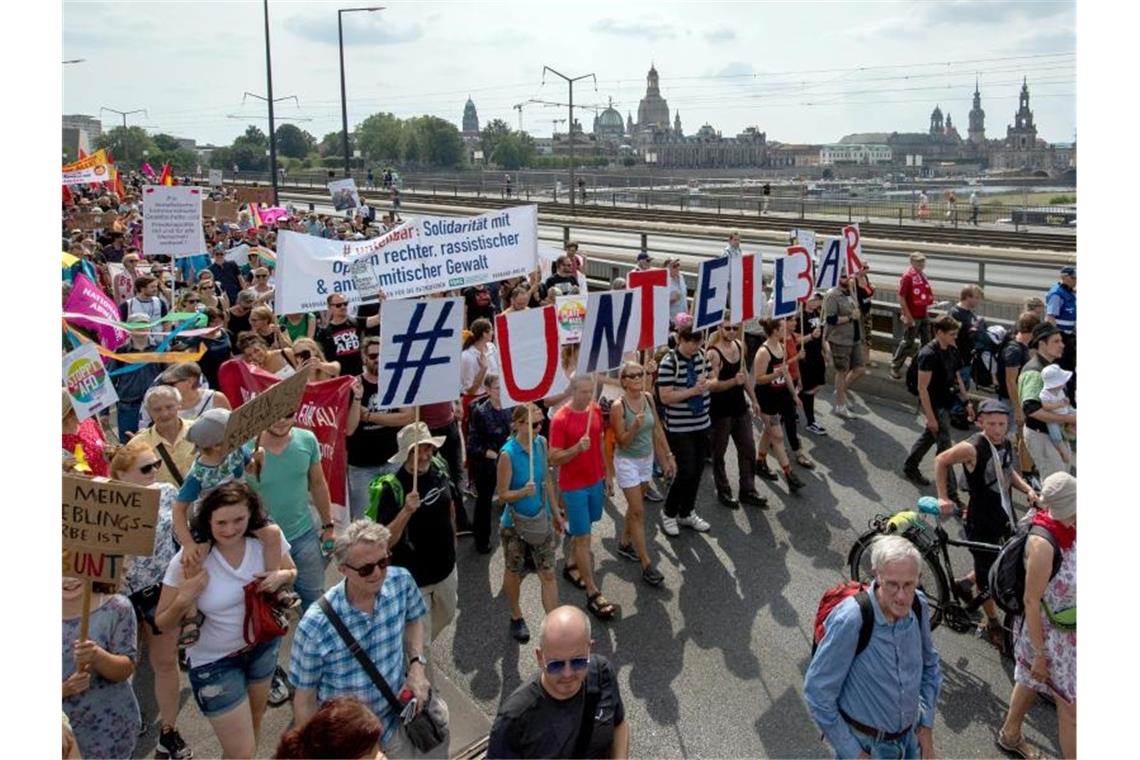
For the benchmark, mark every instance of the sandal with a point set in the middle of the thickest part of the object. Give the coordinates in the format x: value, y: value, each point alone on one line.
x: 600, y: 607
x: 574, y: 577
x: 191, y: 629
x: 803, y: 461
x: 1020, y: 748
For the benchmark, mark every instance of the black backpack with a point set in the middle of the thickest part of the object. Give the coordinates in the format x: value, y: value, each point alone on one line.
x: 1007, y: 575
x: 912, y: 374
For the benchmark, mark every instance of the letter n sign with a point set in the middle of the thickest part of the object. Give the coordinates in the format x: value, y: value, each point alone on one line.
x: 613, y: 326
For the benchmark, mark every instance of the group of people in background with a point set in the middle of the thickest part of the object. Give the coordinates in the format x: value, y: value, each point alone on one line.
x: 648, y: 428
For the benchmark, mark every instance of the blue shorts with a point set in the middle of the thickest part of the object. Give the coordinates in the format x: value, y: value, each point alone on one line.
x: 583, y: 508
x: 221, y: 685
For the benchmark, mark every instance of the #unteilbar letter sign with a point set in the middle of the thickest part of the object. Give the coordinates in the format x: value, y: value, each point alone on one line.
x: 108, y: 516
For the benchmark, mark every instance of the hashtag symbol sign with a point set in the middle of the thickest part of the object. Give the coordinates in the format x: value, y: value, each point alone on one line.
x: 414, y: 337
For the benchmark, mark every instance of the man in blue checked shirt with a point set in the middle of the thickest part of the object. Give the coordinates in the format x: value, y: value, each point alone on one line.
x: 384, y: 611
x: 879, y: 703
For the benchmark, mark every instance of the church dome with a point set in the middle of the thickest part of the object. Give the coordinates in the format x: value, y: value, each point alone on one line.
x: 611, y: 118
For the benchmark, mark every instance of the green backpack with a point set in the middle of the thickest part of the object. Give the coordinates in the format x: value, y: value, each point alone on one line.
x: 390, y: 481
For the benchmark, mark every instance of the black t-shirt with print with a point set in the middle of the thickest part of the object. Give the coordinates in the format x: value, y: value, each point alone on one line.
x: 567, y: 284
x: 531, y: 723
x: 427, y: 546
x: 341, y: 343
x: 371, y: 445
x: 480, y: 304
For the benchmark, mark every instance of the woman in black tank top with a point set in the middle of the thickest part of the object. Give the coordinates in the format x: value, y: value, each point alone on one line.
x: 773, y: 392
x: 729, y: 417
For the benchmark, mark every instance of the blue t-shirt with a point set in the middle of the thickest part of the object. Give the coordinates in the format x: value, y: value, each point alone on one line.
x: 520, y: 474
x: 204, y: 478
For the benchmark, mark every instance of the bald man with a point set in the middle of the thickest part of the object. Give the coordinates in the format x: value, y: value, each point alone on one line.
x: 572, y: 707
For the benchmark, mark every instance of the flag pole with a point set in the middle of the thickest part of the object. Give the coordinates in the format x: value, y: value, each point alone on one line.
x: 530, y: 437
x: 416, y: 466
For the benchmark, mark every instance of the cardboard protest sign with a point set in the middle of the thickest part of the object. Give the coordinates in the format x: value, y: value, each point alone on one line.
x: 420, y: 344
x: 612, y: 329
x: 92, y: 221
x: 344, y: 195
x: 571, y: 311
x: 527, y: 342
x: 87, y: 170
x: 831, y: 262
x: 223, y: 211
x: 263, y: 410
x: 86, y: 381
x: 94, y: 566
x: 422, y: 256
x: 364, y: 277
x: 107, y: 516
x: 712, y: 293
x: 215, y: 178
x: 172, y: 221
x: 255, y: 195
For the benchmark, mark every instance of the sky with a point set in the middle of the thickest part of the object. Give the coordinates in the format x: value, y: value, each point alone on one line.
x: 803, y: 72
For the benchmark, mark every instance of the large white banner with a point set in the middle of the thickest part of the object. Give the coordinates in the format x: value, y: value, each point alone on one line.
x: 425, y: 255
x: 172, y: 221
x: 420, y: 343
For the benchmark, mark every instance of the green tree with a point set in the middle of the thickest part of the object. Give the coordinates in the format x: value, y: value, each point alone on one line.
x: 331, y: 145
x: 439, y: 141
x: 294, y: 142
x: 380, y: 137
x: 248, y: 150
x: 127, y: 145
x: 514, y: 150
x: 492, y: 134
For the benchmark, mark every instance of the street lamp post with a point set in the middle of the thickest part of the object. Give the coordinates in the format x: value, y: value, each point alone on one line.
x: 571, y: 83
x: 343, y: 97
x: 269, y: 101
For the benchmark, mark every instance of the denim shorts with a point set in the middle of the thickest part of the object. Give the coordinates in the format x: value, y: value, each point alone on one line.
x: 221, y: 685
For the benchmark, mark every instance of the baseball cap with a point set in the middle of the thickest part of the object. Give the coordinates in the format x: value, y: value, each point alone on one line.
x: 643, y: 256
x: 1054, y: 376
x: 1043, y: 331
x: 992, y: 406
x: 209, y: 429
x: 1070, y: 270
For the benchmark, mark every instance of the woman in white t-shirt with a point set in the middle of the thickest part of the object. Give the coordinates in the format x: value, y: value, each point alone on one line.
x: 229, y: 678
x: 479, y: 357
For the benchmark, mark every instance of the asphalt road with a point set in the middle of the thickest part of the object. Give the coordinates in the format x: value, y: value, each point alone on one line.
x: 712, y: 663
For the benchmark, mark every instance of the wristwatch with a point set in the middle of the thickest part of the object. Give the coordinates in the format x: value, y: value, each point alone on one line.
x: 421, y: 659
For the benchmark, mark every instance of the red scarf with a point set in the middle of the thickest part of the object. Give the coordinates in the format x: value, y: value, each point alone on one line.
x: 1065, y: 534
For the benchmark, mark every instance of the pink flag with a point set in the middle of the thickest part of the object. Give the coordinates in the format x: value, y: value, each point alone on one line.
x: 528, y: 355
x: 654, y: 287
x: 87, y: 298
x: 148, y: 172
x: 272, y: 214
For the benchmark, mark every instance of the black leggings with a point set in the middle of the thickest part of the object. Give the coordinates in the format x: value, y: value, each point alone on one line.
x: 808, y: 400
x: 789, y: 417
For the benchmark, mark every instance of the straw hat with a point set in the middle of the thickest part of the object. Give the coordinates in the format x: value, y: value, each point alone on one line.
x: 414, y: 435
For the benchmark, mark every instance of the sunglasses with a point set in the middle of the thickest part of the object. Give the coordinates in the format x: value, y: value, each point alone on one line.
x: 555, y: 667
x: 367, y: 569
x: 634, y: 375
x: 304, y: 355
x: 260, y: 276
x: 338, y: 305
x: 191, y: 300
x: 154, y: 466
x: 373, y: 357
x: 730, y: 329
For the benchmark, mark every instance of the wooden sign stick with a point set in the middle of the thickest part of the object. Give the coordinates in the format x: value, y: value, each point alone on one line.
x: 416, y: 461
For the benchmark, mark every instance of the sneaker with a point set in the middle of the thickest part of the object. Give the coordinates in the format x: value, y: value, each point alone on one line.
x: 669, y: 525
x: 794, y: 482
x: 841, y: 411
x: 652, y: 576
x: 652, y: 494
x: 172, y: 747
x: 695, y: 522
x: 728, y: 500
x: 896, y: 374
x: 816, y: 428
x: 519, y: 631
x: 280, y: 690
x: 464, y: 532
x: 754, y: 500
x: 914, y: 476
x: 627, y: 551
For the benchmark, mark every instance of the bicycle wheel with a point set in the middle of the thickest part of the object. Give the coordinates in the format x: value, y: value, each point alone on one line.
x: 931, y: 579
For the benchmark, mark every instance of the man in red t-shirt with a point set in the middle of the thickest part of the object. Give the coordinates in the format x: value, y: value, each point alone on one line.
x: 915, y: 297
x: 576, y: 449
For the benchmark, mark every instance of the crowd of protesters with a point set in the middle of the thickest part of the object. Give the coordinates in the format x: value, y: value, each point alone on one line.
x: 548, y: 468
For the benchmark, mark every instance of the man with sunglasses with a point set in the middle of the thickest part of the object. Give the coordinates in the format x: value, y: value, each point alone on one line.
x: 383, y: 610
x: 340, y: 338
x: 572, y: 707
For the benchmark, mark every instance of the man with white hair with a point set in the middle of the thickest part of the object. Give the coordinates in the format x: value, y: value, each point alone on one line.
x: 167, y: 433
x: 572, y: 707
x: 878, y: 702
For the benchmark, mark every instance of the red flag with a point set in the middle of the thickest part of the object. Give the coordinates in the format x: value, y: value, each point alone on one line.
x: 323, y: 411
x: 67, y: 201
x: 167, y: 176
x: 82, y: 154
x: 110, y: 158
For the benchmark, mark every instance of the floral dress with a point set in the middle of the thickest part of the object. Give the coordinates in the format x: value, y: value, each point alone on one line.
x: 143, y: 572
x: 105, y: 718
x: 1060, y: 646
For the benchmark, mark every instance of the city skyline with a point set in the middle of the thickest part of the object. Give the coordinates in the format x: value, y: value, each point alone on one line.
x: 868, y: 67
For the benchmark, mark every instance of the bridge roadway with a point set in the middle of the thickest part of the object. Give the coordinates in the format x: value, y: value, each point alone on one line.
x: 712, y: 663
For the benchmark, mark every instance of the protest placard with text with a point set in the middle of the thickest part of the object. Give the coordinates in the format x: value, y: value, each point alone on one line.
x: 222, y: 211
x: 108, y: 516
x: 172, y: 221
x: 86, y: 381
x: 215, y: 178
x: 94, y: 566
x: 711, y: 298
x: 527, y: 342
x: 263, y: 410
x: 254, y: 195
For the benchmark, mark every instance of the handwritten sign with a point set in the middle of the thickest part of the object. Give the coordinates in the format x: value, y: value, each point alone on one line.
x: 255, y: 195
x: 263, y: 410
x: 215, y: 178
x: 95, y: 566
x: 92, y: 220
x: 172, y: 221
x: 108, y: 516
